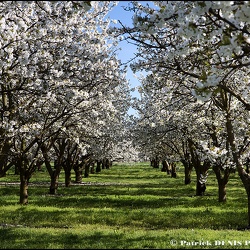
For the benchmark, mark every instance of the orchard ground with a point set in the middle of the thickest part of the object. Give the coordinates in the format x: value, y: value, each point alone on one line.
x: 129, y: 206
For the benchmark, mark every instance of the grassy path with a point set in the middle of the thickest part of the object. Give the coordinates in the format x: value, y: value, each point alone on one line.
x: 130, y: 206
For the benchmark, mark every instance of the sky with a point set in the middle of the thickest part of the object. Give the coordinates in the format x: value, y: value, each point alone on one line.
x: 127, y: 50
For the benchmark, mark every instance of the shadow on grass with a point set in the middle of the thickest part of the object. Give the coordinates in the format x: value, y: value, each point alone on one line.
x: 153, y: 201
x: 21, y: 239
x: 110, y: 239
x: 154, y: 214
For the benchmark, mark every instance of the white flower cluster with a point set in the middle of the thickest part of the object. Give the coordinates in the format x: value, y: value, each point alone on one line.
x: 59, y: 75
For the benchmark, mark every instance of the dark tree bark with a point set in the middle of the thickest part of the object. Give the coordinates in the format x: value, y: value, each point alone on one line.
x: 244, y: 176
x: 78, y: 169
x: 26, y: 169
x: 108, y: 164
x: 103, y: 163
x: 92, y: 168
x: 86, y: 170
x: 247, y: 163
x: 54, y: 172
x: 54, y: 177
x: 98, y: 166
x: 173, y: 170
x: 78, y: 176
x: 87, y: 161
x: 166, y: 167
x: 24, y: 181
x: 24, y: 191
x: 200, y: 169
x: 72, y: 155
x: 4, y: 155
x: 155, y: 162
x: 222, y: 176
x: 201, y: 174
x: 67, y: 173
x: 188, y: 167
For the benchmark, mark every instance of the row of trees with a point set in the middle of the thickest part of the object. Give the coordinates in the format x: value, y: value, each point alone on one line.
x: 64, y: 95
x: 194, y: 104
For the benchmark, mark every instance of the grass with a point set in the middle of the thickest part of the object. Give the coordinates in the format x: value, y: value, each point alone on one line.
x: 129, y: 206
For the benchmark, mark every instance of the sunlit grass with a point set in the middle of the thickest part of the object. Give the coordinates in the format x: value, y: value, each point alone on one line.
x: 127, y: 206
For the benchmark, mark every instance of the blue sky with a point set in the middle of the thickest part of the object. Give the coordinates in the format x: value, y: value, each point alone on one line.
x: 127, y: 50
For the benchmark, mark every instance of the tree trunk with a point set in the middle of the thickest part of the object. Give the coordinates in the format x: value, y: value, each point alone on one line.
x: 92, y: 168
x: 78, y: 174
x: 86, y: 170
x: 103, y: 164
x: 24, y: 190
x: 107, y: 163
x: 67, y: 177
x: 21, y: 164
x: 164, y: 166
x: 4, y: 154
x: 222, y: 177
x: 155, y: 163
x: 200, y: 169
x: 187, y: 170
x: 17, y: 171
x: 222, y: 192
x: 244, y: 176
x: 200, y: 187
x: 201, y: 176
x: 78, y: 168
x: 98, y: 166
x: 173, y: 170
x: 53, y: 172
x: 247, y: 165
x: 54, y: 182
x: 24, y: 181
x: 39, y: 166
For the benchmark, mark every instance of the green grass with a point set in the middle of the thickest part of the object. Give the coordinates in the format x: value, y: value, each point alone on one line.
x: 129, y: 206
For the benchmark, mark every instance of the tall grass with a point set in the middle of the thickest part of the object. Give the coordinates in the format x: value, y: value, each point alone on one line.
x: 129, y: 206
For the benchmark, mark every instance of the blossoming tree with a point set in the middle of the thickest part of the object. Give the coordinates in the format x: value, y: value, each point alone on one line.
x: 203, y: 47
x: 60, y: 81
